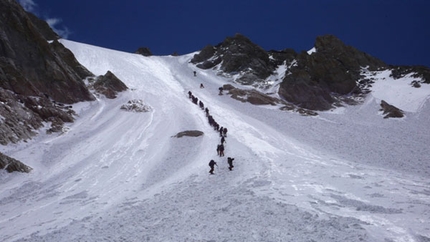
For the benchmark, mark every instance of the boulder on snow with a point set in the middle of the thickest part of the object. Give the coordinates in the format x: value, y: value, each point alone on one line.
x: 416, y: 84
x: 189, y: 133
x: 145, y: 51
x: 391, y: 111
x: 11, y: 164
x: 253, y: 96
x: 136, y: 105
x: 109, y: 85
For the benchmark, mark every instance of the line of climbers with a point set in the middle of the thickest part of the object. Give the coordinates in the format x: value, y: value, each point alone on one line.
x: 222, y: 132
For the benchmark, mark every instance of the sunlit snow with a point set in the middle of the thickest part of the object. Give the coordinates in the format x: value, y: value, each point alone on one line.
x: 311, y: 51
x: 121, y: 176
x: 399, y: 92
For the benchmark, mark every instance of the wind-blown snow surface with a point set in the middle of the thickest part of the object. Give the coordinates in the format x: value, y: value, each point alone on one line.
x: 121, y: 176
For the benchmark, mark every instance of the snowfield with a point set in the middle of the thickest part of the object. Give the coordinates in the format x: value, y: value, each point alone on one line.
x: 112, y: 175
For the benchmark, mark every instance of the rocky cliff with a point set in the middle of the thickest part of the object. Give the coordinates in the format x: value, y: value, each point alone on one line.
x: 327, y: 76
x: 237, y: 55
x: 39, y: 77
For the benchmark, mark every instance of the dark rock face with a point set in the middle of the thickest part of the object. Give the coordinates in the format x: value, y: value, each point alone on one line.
x: 251, y: 96
x: 258, y: 98
x: 18, y: 121
x: 206, y: 59
x: 279, y: 57
x: 422, y: 72
x: 69, y: 59
x: 11, y: 165
x: 329, y: 77
x: 391, y: 111
x: 36, y: 77
x: 109, y: 85
x: 332, y: 70
x: 22, y: 115
x: 189, y: 133
x: 43, y: 27
x: 315, y: 81
x: 144, y: 51
x: 237, y: 55
x: 29, y: 65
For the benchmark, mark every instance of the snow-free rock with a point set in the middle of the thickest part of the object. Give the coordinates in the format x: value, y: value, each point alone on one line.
x: 109, y: 85
x: 332, y: 70
x: 189, y: 133
x: 237, y: 54
x: 38, y: 75
x: 145, y: 51
x: 136, y: 105
x: 11, y: 164
x: 390, y: 111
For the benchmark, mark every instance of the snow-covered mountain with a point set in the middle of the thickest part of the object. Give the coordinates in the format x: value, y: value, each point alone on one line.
x: 113, y: 175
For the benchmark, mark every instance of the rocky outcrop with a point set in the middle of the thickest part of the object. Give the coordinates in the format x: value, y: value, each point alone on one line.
x: 22, y: 115
x: 258, y: 98
x: 109, y: 85
x: 252, y: 96
x: 322, y: 79
x: 11, y: 164
x: 144, y: 51
x: 43, y: 27
x: 421, y: 72
x: 315, y: 81
x: 318, y: 78
x: 38, y: 78
x: 390, y: 111
x: 29, y: 65
x: 237, y: 55
x: 189, y: 133
x: 282, y: 57
x: 136, y: 105
x: 17, y: 121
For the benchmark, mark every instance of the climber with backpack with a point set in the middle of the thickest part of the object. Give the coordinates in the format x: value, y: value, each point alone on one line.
x: 230, y: 163
x: 212, y: 165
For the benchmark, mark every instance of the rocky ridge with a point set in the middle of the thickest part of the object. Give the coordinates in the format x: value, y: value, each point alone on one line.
x: 39, y: 79
x: 328, y: 76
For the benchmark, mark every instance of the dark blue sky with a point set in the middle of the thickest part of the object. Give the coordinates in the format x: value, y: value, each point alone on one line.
x: 395, y: 31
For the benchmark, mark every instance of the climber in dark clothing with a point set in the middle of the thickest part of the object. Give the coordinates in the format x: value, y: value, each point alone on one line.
x: 221, y: 150
x: 211, y: 120
x: 225, y: 132
x: 230, y: 163
x: 218, y: 149
x: 212, y: 165
x: 220, y: 90
x: 216, y: 126
x: 207, y: 112
x: 222, y: 140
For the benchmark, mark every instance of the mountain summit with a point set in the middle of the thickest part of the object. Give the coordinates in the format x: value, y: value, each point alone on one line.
x: 317, y: 80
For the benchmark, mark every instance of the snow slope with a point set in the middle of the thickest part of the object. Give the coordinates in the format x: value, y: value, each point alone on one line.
x: 121, y: 176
